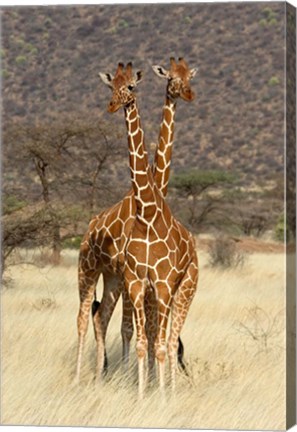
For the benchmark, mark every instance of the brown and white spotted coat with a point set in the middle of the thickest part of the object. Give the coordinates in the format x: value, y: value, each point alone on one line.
x: 160, y: 255
x: 102, y: 250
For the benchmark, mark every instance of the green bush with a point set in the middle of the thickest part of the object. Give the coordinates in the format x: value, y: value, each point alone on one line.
x: 48, y: 22
x: 263, y: 22
x: 195, y: 181
x: 72, y: 243
x: 269, y: 14
x: 20, y: 42
x: 273, y: 81
x: 21, y: 59
x: 5, y: 73
x: 31, y: 48
x: 280, y: 229
x: 123, y: 23
x: 270, y: 17
x: 11, y: 204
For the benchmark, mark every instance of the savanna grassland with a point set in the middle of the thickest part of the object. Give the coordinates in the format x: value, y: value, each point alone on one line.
x: 234, y: 341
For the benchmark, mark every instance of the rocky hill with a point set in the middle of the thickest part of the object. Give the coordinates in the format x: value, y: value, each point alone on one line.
x: 51, y: 57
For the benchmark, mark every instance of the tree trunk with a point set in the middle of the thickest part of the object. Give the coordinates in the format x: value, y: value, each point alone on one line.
x: 56, y: 247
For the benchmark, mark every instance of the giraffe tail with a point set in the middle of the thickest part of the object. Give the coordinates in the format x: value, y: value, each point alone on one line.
x: 95, y: 305
x: 180, y: 357
x: 95, y: 308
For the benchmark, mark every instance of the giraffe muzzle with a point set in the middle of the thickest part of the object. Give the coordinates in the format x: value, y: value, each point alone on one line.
x: 113, y: 107
x: 187, y: 95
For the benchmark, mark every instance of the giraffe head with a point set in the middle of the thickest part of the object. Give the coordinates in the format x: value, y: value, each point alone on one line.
x: 179, y: 76
x: 122, y: 84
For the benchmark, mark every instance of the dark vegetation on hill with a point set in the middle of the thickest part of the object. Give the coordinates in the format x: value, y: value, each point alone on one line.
x: 51, y: 57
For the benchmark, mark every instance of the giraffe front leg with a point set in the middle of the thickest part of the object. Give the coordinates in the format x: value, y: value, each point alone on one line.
x: 112, y: 287
x: 141, y: 350
x: 180, y: 307
x: 86, y: 293
x: 135, y: 289
x: 127, y: 329
x: 163, y: 307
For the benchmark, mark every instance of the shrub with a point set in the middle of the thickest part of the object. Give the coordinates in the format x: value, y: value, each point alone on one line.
x: 223, y: 253
x: 123, y: 24
x: 270, y: 17
x: 273, y: 81
x: 5, y: 73
x: 72, y: 243
x: 20, y: 42
x: 260, y: 328
x: 11, y: 204
x: 269, y: 14
x: 31, y: 48
x: 21, y: 59
x: 280, y: 228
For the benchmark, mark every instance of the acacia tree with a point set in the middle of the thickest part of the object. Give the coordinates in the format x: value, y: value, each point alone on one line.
x: 28, y: 224
x: 201, y: 189
x: 67, y: 156
x: 45, y: 145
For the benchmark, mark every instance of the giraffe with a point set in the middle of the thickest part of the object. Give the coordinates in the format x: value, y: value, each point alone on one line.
x: 160, y: 255
x: 102, y: 247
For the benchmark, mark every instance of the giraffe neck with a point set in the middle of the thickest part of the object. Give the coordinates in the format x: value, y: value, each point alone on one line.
x: 161, y: 168
x: 141, y: 174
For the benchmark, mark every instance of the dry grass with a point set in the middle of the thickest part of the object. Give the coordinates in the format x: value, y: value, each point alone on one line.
x: 234, y: 345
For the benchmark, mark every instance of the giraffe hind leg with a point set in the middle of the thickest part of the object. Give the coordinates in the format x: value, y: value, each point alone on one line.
x: 87, y: 287
x: 127, y: 328
x: 180, y: 307
x: 103, y: 312
x: 95, y: 309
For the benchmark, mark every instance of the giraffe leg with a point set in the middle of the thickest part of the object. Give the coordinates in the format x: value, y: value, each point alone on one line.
x: 95, y: 309
x: 127, y: 328
x: 111, y: 292
x: 87, y: 287
x: 136, y: 289
x: 151, y: 327
x: 180, y: 307
x: 163, y: 307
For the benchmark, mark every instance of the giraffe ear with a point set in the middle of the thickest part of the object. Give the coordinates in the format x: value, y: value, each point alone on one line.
x: 138, y: 76
x: 106, y: 78
x: 193, y: 72
x: 160, y: 71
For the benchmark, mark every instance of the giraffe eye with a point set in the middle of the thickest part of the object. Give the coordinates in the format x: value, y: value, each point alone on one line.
x: 130, y: 87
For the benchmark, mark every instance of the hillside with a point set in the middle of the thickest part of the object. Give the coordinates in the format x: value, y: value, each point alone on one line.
x: 51, y: 57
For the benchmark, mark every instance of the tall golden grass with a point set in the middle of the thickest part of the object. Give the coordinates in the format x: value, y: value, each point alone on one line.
x: 234, y: 340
